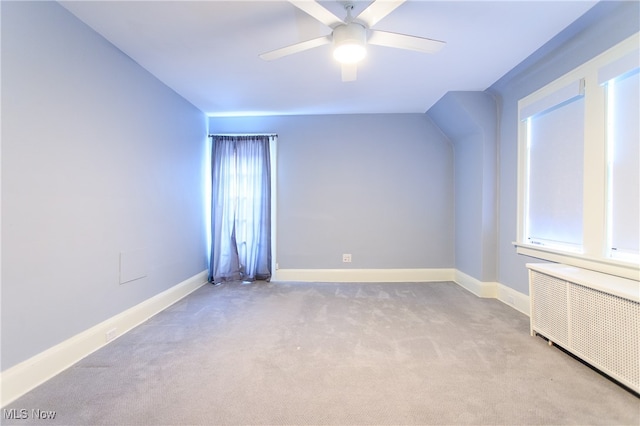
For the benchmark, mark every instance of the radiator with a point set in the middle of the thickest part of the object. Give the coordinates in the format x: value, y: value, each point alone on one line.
x: 594, y: 316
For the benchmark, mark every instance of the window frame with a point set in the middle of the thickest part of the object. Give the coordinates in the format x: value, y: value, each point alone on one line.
x: 613, y: 172
x: 595, y: 253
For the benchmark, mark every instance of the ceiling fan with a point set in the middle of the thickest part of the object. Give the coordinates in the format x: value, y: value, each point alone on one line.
x: 351, y: 36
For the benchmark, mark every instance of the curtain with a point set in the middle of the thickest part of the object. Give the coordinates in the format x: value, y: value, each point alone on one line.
x: 240, y: 209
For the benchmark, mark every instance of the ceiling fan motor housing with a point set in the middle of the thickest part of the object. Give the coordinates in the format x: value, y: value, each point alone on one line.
x: 349, y: 42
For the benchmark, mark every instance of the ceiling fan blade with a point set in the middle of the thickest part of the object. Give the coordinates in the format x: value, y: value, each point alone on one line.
x: 378, y: 10
x: 403, y: 41
x: 318, y: 12
x: 349, y: 72
x: 295, y: 48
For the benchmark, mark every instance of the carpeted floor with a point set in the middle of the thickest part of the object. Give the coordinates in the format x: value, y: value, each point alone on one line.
x: 342, y: 354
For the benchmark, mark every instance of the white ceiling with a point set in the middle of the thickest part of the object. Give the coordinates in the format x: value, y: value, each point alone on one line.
x: 207, y: 51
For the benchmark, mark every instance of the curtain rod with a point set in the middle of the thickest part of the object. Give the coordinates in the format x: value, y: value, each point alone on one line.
x: 243, y: 134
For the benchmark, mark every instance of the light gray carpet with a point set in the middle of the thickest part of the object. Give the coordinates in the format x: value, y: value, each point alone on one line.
x: 314, y: 353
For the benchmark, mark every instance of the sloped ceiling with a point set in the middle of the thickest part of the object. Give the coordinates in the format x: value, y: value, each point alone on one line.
x: 207, y: 51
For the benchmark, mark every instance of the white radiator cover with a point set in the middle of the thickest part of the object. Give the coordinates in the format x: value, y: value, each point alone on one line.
x: 592, y: 315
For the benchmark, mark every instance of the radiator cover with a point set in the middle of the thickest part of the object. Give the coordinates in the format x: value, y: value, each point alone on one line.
x: 592, y: 315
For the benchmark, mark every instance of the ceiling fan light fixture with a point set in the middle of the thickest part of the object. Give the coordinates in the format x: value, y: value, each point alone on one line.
x: 349, y: 43
x: 349, y: 53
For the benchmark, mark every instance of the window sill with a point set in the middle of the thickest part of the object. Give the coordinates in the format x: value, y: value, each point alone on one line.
x: 608, y: 266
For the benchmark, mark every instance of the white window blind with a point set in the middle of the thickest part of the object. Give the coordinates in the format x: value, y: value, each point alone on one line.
x: 623, y: 155
x: 555, y: 134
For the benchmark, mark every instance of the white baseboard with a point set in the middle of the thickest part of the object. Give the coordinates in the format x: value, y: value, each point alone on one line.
x: 494, y: 290
x: 487, y: 289
x: 364, y: 275
x: 23, y: 377
x: 513, y: 298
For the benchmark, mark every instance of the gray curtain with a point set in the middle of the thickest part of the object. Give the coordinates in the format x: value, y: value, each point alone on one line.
x: 240, y: 209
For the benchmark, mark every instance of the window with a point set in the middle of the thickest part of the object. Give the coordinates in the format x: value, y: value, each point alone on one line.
x: 578, y: 170
x: 555, y: 134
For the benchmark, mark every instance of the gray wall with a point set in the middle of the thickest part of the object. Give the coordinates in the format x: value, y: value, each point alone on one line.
x: 469, y: 119
x: 602, y: 27
x: 98, y: 158
x: 377, y: 186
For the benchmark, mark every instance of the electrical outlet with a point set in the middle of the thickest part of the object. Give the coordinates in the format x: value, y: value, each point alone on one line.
x: 346, y: 258
x: 511, y: 300
x: 111, y: 334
